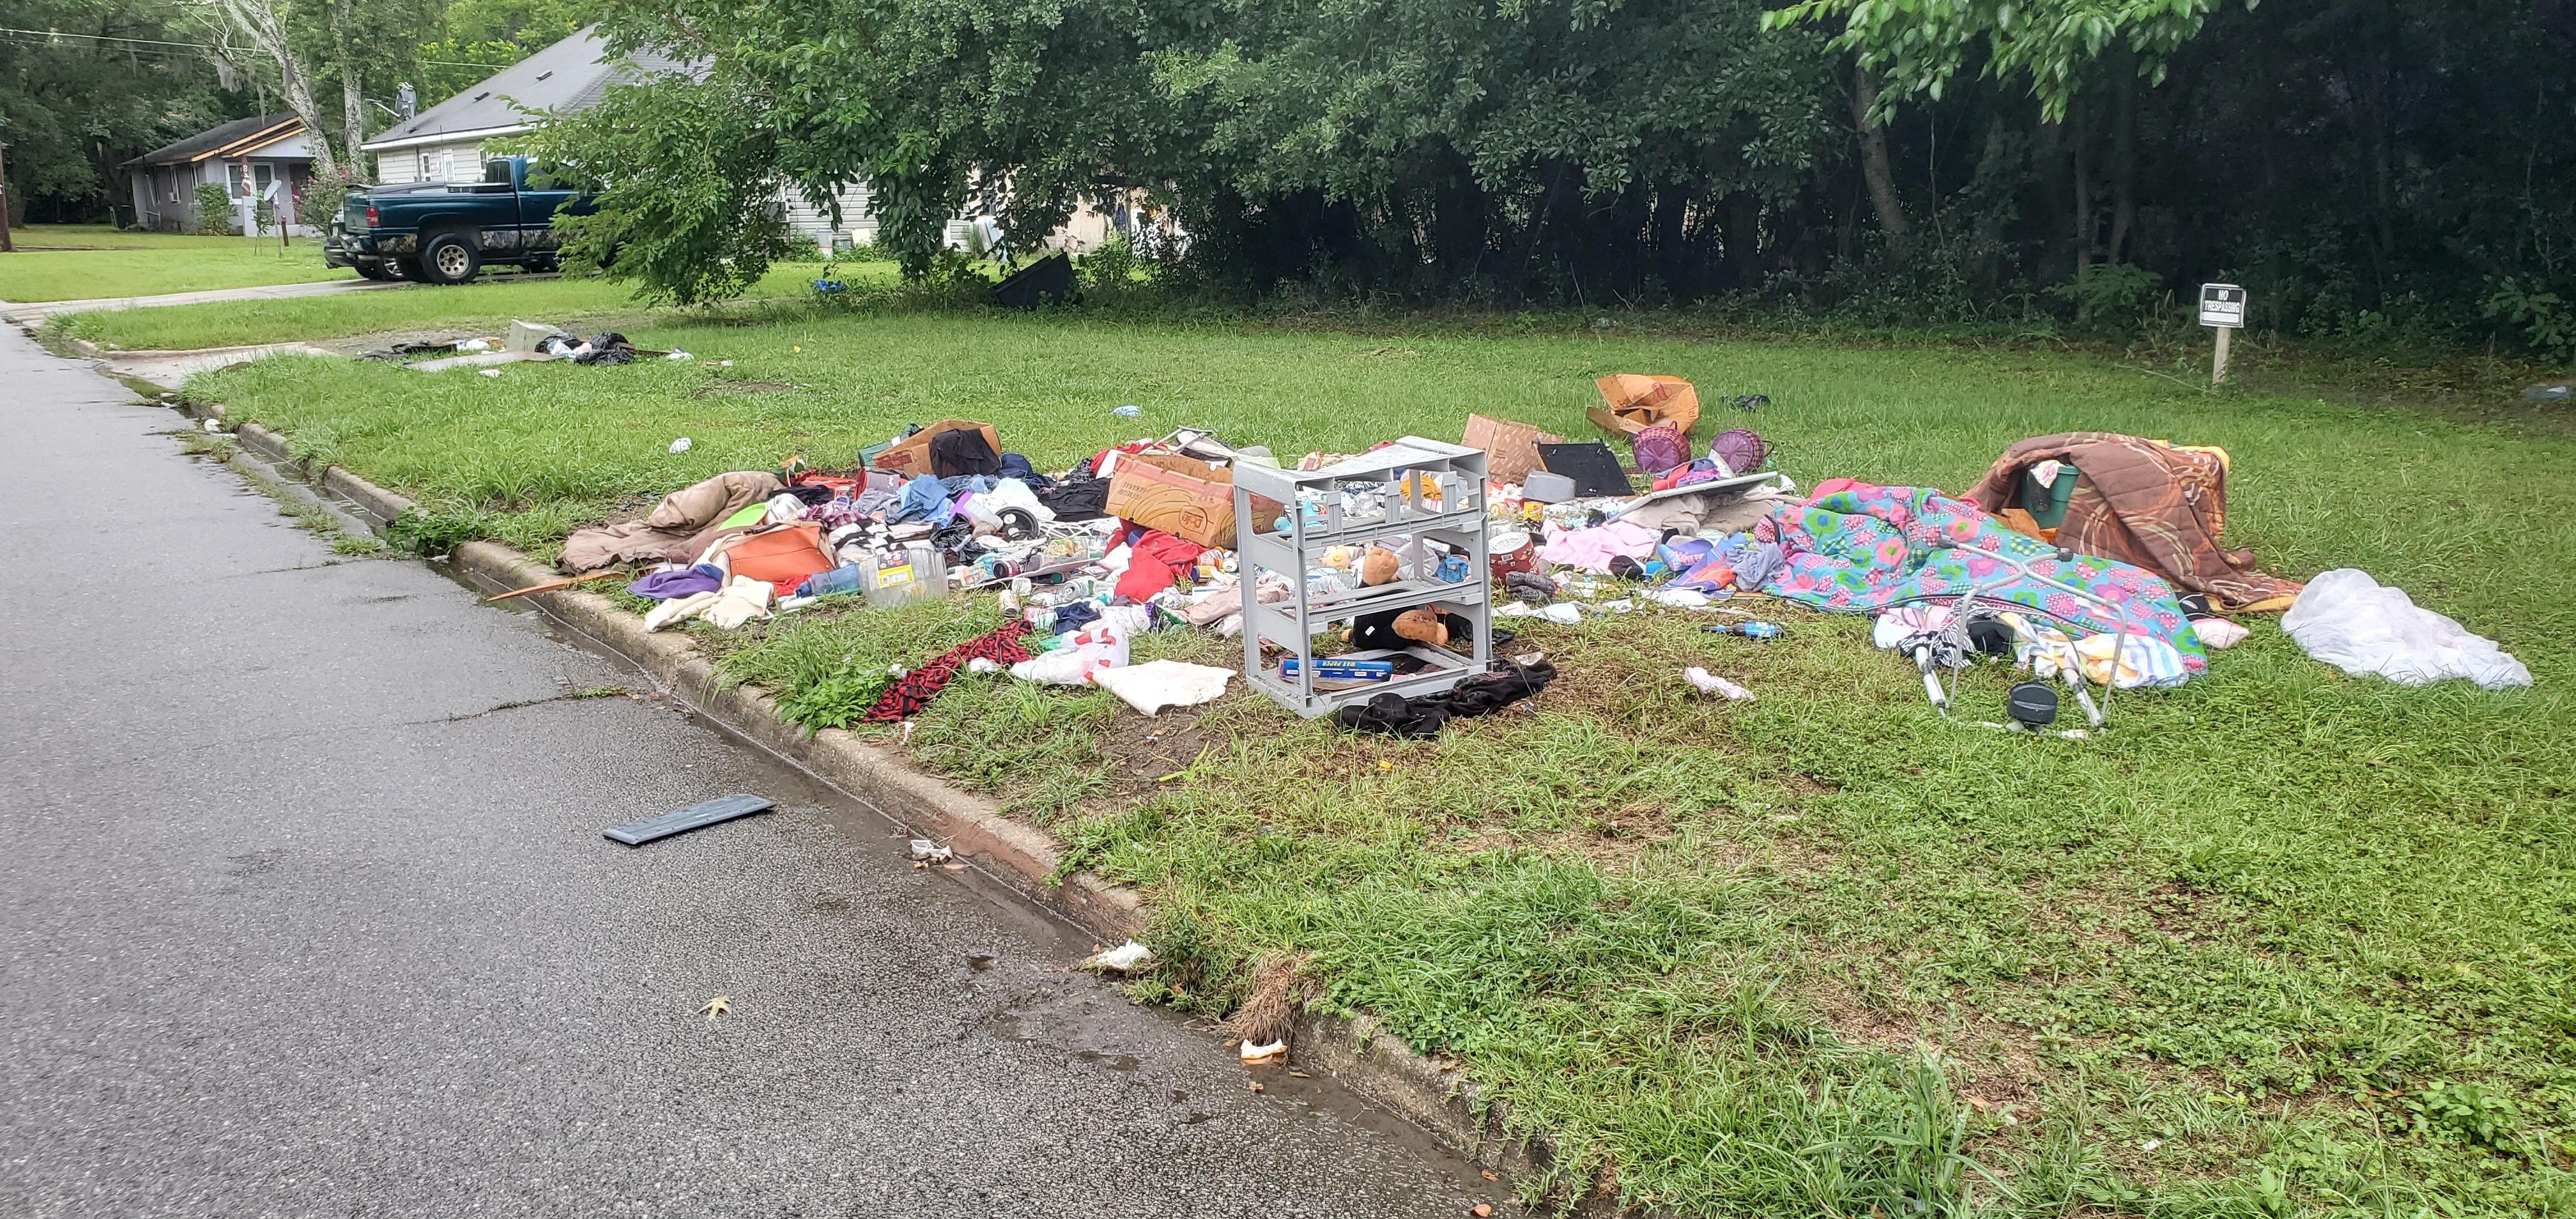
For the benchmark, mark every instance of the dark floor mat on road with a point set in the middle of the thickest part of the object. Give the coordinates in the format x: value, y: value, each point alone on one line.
x: 682, y: 820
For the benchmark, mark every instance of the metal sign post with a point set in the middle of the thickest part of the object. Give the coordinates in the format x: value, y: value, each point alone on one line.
x: 2222, y: 308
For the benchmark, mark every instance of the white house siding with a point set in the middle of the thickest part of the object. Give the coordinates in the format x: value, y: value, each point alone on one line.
x: 460, y: 161
x: 813, y: 224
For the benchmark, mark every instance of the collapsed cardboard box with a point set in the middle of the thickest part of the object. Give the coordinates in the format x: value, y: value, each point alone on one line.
x: 1182, y: 496
x: 1637, y: 401
x: 911, y: 455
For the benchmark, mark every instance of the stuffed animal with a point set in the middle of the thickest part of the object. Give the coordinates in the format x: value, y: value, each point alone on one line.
x: 1378, y: 566
x: 1422, y: 626
x: 1390, y: 629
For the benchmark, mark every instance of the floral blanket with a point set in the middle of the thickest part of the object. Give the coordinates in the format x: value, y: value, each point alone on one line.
x: 1861, y: 548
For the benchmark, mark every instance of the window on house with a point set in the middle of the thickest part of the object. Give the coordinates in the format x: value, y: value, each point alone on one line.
x: 424, y: 167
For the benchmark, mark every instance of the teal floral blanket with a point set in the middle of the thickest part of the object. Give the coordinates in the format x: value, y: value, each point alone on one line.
x: 1860, y: 548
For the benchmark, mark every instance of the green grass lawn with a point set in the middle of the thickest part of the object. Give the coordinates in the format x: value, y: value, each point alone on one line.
x: 78, y: 261
x: 2282, y: 942
x: 487, y: 303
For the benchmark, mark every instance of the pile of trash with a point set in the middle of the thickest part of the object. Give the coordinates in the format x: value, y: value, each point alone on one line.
x: 2086, y: 562
x: 524, y: 341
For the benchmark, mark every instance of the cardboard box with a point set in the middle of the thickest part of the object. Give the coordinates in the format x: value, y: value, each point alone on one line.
x: 911, y: 455
x: 1182, y: 496
x: 1511, y: 449
x: 1634, y: 402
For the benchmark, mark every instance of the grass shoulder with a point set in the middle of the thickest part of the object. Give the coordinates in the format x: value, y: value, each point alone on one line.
x: 2282, y: 940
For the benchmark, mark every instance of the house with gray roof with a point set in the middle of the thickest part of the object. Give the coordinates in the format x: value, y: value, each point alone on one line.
x: 446, y: 143
x: 262, y: 160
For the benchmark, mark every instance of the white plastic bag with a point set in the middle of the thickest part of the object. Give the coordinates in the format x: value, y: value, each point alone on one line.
x: 2359, y: 625
x: 1089, y: 650
x: 985, y: 508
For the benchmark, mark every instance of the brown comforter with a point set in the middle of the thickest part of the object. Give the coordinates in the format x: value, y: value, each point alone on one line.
x: 2147, y: 502
x: 678, y: 529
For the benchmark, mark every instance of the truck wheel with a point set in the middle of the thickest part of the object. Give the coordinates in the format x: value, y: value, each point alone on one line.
x: 406, y: 268
x: 373, y: 270
x: 449, y: 259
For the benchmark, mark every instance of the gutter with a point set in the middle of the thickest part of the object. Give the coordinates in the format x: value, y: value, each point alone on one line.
x: 447, y: 137
x: 1432, y: 1094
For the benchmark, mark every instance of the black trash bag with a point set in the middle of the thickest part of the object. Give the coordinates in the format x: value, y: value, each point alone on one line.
x: 1049, y: 280
x: 607, y: 349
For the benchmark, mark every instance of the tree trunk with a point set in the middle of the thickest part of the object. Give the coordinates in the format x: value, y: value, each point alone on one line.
x: 258, y: 21
x: 353, y: 113
x: 2124, y: 158
x: 2083, y: 190
x: 1874, y: 164
x: 353, y: 90
x: 1995, y: 169
x: 1744, y: 241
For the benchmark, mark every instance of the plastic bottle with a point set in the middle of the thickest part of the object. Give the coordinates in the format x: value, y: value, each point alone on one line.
x: 840, y: 581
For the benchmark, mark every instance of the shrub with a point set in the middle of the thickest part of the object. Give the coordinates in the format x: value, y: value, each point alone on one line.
x: 324, y: 195
x: 2113, y: 300
x: 214, y: 209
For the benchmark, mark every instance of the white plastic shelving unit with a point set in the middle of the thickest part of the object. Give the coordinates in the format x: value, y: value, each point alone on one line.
x: 1425, y: 490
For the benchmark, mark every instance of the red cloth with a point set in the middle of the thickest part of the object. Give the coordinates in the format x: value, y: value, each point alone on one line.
x: 1155, y: 561
x: 914, y: 690
x: 839, y: 485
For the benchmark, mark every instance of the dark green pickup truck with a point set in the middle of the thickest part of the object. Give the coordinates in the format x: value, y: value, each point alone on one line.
x: 445, y: 232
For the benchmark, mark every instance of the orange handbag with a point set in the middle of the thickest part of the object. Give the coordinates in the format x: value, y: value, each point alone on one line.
x: 783, y: 555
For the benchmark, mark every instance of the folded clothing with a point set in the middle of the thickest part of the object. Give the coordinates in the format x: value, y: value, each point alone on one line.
x: 1592, y: 549
x: 728, y: 607
x: 687, y: 581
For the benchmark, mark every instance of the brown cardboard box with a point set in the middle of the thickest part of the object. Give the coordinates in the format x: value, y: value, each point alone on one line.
x: 1511, y: 449
x: 1637, y: 401
x: 1182, y: 496
x: 911, y: 455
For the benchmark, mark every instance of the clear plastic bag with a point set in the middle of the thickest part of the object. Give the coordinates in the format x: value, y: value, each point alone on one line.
x: 2360, y: 626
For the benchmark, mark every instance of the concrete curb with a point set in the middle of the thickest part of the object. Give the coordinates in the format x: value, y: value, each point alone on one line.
x: 1356, y: 1051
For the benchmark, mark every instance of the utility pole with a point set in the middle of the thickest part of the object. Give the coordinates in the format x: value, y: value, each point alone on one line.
x: 7, y: 246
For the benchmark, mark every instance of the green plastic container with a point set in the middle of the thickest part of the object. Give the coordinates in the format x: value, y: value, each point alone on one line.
x: 2046, y: 502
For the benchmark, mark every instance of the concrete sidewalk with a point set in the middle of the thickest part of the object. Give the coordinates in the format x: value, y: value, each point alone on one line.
x: 304, y: 910
x: 33, y: 312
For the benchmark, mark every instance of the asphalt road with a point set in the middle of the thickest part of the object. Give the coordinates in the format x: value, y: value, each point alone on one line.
x: 307, y: 912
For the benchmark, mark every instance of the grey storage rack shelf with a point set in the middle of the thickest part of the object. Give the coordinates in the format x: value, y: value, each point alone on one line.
x: 1454, y: 518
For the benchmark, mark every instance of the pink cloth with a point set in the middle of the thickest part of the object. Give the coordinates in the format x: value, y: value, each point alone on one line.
x: 1592, y: 549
